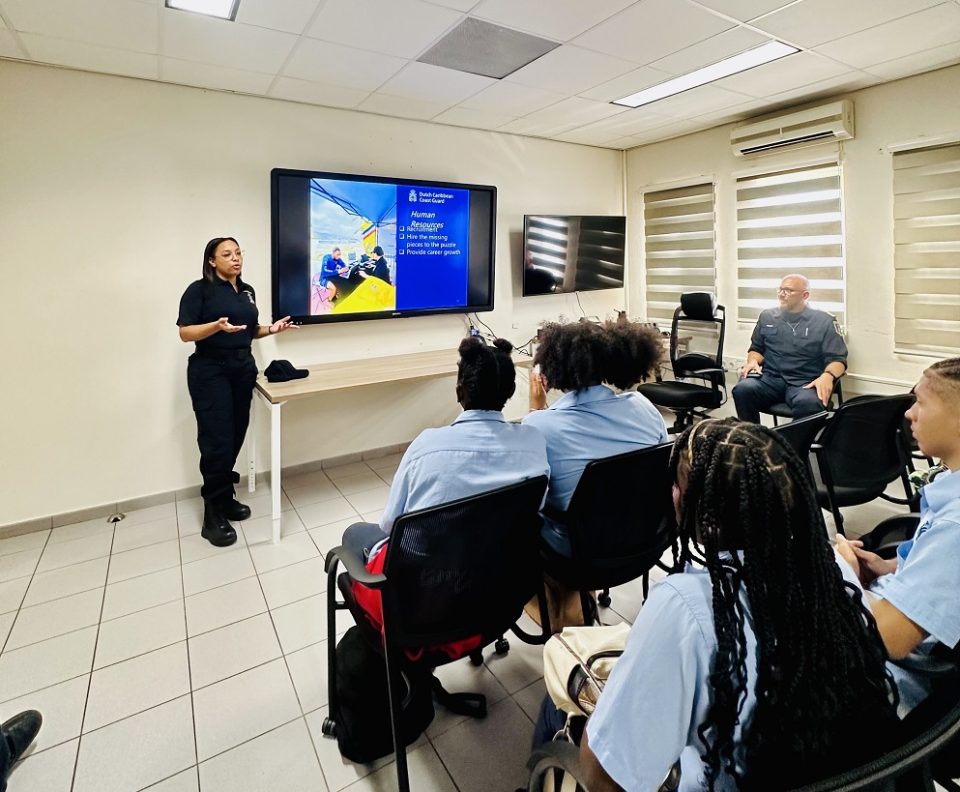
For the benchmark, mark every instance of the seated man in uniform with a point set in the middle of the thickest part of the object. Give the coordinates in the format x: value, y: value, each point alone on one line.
x: 796, y: 356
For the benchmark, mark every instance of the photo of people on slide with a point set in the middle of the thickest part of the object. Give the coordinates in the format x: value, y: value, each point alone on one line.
x: 353, y: 232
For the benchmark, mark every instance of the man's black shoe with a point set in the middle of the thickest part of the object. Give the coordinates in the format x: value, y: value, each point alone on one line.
x: 234, y: 510
x: 216, y: 529
x: 19, y: 732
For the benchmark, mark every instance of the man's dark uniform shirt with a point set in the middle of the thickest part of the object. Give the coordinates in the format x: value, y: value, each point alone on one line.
x: 797, y: 347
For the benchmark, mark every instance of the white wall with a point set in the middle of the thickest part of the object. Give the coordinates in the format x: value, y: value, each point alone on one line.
x: 109, y: 189
x: 923, y: 107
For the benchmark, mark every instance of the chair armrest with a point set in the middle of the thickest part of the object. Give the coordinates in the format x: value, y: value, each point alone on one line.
x: 355, y: 567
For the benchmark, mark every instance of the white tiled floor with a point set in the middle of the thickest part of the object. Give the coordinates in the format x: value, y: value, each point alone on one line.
x: 163, y: 663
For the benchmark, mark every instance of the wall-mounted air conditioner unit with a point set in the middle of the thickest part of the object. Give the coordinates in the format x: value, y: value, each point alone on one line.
x: 823, y: 123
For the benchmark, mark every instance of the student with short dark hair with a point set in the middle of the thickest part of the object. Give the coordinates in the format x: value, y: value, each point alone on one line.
x: 590, y: 421
x: 763, y: 670
x: 480, y: 451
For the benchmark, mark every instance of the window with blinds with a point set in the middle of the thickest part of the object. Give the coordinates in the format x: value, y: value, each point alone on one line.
x: 679, y: 240
x: 926, y: 206
x: 790, y: 222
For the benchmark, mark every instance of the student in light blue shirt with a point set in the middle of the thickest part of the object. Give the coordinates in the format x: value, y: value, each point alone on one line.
x: 591, y: 421
x: 761, y: 671
x: 478, y: 452
x: 918, y: 592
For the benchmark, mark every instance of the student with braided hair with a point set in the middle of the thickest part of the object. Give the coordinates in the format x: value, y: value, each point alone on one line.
x: 918, y: 591
x: 590, y: 421
x: 762, y: 671
x: 480, y: 451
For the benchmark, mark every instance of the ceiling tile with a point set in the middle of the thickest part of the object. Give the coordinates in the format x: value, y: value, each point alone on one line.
x: 795, y: 70
x: 434, y: 83
x: 111, y: 23
x: 3, y: 25
x: 457, y: 5
x: 653, y: 29
x: 814, y: 22
x: 668, y: 131
x: 512, y: 99
x: 632, y: 122
x: 629, y: 83
x: 201, y: 39
x: 586, y: 137
x: 290, y: 16
x: 205, y: 75
x: 745, y: 9
x: 317, y: 93
x: 396, y: 27
x: 477, y: 119
x: 565, y: 115
x: 561, y: 20
x: 9, y: 48
x: 936, y: 58
x: 698, y: 101
x: 625, y: 143
x: 571, y: 70
x: 90, y: 57
x: 728, y: 43
x: 320, y: 61
x: 922, y: 31
x: 401, y: 106
x: 822, y: 89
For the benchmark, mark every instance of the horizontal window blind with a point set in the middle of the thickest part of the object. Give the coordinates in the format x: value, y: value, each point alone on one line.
x: 926, y: 206
x: 790, y: 222
x: 679, y: 240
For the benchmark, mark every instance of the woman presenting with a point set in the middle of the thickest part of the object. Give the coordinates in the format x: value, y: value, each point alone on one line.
x: 219, y: 313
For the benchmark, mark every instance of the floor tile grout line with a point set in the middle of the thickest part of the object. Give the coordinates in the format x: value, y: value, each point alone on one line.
x: 24, y: 595
x: 186, y: 640
x: 93, y: 660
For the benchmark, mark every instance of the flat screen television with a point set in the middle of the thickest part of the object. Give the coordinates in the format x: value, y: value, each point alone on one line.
x: 570, y: 253
x: 349, y: 247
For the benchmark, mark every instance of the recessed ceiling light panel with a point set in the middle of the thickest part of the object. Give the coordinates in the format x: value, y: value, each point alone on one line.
x: 222, y: 9
x: 771, y: 51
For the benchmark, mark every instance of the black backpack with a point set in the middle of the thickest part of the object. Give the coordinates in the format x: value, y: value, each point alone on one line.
x: 363, y: 718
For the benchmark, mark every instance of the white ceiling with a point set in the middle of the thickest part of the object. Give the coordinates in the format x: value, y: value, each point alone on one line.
x: 361, y: 54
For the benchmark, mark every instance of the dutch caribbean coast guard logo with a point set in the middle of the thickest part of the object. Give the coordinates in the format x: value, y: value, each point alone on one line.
x: 412, y: 198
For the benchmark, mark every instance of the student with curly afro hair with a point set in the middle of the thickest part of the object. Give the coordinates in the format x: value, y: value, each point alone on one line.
x: 591, y: 421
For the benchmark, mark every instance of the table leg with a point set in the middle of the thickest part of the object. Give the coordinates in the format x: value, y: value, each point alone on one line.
x: 275, y: 468
x: 252, y: 450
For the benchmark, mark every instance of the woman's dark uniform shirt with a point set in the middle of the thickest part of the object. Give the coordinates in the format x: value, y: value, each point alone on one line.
x: 205, y: 302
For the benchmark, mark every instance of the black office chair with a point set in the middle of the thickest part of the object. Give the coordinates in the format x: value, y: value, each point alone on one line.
x: 860, y: 451
x: 782, y: 409
x: 451, y: 572
x: 620, y: 521
x: 688, y: 399
x: 889, y: 533
x: 802, y: 433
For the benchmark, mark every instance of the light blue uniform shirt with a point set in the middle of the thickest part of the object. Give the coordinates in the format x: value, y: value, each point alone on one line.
x: 478, y: 452
x: 659, y: 691
x: 926, y: 586
x: 589, y: 424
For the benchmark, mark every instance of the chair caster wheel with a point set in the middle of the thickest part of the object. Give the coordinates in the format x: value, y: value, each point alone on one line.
x: 604, y: 600
x: 329, y: 727
x: 476, y: 658
x: 502, y: 646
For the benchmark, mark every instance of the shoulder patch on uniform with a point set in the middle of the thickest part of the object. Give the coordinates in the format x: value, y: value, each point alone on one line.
x: 836, y: 326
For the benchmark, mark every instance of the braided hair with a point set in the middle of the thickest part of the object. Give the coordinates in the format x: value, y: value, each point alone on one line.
x: 582, y: 354
x: 825, y: 700
x: 486, y: 378
x: 944, y: 377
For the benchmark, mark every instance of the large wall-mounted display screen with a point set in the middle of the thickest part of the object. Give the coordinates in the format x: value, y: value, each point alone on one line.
x: 364, y: 247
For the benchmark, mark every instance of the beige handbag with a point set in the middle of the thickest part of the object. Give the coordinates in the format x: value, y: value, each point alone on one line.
x: 577, y: 663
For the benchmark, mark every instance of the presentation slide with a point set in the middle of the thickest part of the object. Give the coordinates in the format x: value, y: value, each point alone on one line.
x: 377, y: 246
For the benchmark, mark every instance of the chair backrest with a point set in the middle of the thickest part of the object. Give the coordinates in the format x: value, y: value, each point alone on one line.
x: 801, y: 432
x: 863, y: 442
x: 463, y: 567
x: 621, y: 516
x: 697, y: 307
x: 912, y: 757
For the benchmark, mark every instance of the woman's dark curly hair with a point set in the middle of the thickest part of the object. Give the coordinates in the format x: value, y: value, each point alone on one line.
x: 486, y: 378
x: 582, y: 354
x: 825, y: 700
